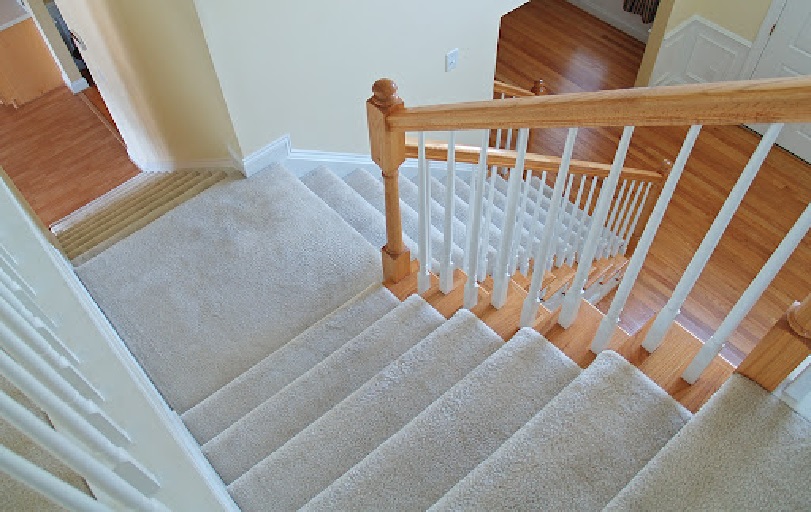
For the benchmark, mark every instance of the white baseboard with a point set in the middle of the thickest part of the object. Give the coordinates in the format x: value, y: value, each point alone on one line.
x: 610, y: 11
x: 276, y: 151
x: 300, y: 161
x: 176, y: 165
x: 76, y: 86
x: 699, y: 51
x: 12, y: 22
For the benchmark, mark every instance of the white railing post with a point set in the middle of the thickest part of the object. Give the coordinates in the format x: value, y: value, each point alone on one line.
x: 484, y: 235
x: 713, y: 346
x: 799, y: 388
x: 582, y: 227
x: 560, y: 250
x: 609, y: 321
x: 574, y: 220
x: 522, y: 212
x: 529, y: 310
x: 75, y: 457
x: 628, y: 230
x: 122, y: 462
x: 501, y: 276
x: 534, y: 226
x: 671, y: 310
x: 46, y: 484
x: 423, y: 217
x: 610, y: 224
x: 622, y: 218
x: 474, y: 219
x: 571, y: 301
x: 446, y: 269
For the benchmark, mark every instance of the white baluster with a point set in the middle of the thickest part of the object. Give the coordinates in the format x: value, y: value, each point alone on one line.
x: 609, y: 321
x: 560, y: 240
x: 484, y: 235
x: 46, y: 484
x: 25, y: 355
x: 671, y: 310
x: 584, y: 221
x: 571, y: 302
x: 608, y: 235
x: 623, y: 219
x: 799, y: 388
x: 47, y: 352
x: 508, y: 145
x: 79, y: 427
x: 529, y: 310
x: 75, y: 457
x: 474, y: 220
x: 446, y: 269
x: 522, y: 212
x: 636, y: 211
x: 713, y: 346
x: 533, y: 229
x: 500, y: 275
x: 574, y: 224
x: 423, y: 218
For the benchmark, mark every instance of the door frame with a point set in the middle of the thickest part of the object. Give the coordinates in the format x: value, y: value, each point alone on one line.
x: 762, y: 39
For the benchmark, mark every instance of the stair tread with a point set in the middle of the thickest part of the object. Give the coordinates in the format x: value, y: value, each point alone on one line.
x: 240, y: 396
x: 282, y: 416
x: 581, y: 449
x: 421, y: 462
x: 350, y: 205
x: 315, y: 457
x: 744, y: 450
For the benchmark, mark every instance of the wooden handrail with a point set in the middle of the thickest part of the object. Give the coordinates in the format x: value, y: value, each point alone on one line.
x: 511, y: 90
x: 775, y: 100
x: 534, y: 162
x: 784, y: 347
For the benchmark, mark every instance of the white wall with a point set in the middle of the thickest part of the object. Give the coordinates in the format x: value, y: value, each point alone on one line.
x: 306, y: 68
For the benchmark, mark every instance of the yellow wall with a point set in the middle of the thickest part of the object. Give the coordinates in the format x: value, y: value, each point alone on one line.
x: 306, y: 67
x: 742, y: 17
x: 657, y: 34
x: 150, y: 60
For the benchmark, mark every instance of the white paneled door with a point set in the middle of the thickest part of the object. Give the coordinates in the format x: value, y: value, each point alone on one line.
x: 788, y: 53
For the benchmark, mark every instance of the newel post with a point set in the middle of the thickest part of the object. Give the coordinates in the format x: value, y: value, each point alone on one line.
x: 647, y: 208
x: 782, y: 349
x: 539, y: 88
x: 388, y: 152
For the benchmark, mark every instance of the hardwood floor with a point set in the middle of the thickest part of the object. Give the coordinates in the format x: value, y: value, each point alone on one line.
x: 60, y: 154
x: 572, y: 52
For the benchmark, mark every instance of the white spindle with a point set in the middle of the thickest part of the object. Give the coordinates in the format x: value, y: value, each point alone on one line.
x: 500, y: 274
x: 423, y: 218
x: 571, y: 302
x: 75, y: 457
x: 529, y: 310
x: 44, y: 349
x: 623, y: 219
x: 604, y: 332
x: 560, y: 240
x: 799, y: 388
x: 474, y: 220
x: 26, y: 356
x: 484, y: 235
x: 583, y: 226
x: 635, y: 213
x: 533, y: 229
x: 522, y: 212
x: 573, y: 225
x: 7, y: 293
x: 608, y: 237
x: 446, y: 268
x: 46, y: 484
x: 671, y: 310
x: 713, y: 346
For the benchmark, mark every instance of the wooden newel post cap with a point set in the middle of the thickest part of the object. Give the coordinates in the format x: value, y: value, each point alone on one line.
x: 384, y: 93
x: 539, y: 88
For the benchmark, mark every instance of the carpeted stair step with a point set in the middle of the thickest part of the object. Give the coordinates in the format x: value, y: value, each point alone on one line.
x: 353, y: 208
x: 275, y: 260
x: 336, y: 441
x: 274, y: 422
x: 743, y: 450
x: 372, y: 190
x: 416, y: 466
x: 581, y: 449
x: 240, y: 396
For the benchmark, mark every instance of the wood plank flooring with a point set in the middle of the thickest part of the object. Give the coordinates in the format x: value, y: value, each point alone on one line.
x: 572, y: 52
x: 60, y: 154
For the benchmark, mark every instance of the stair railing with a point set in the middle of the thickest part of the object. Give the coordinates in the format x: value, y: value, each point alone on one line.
x: 776, y: 101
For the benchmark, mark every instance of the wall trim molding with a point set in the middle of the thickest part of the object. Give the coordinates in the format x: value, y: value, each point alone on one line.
x: 275, y: 151
x: 598, y: 9
x: 699, y: 51
x: 178, y: 165
x: 16, y: 20
x: 76, y: 86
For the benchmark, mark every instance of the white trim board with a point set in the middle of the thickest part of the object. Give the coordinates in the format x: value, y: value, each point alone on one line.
x: 762, y: 39
x: 616, y: 17
x: 76, y: 86
x: 16, y: 20
x: 178, y: 165
x: 699, y: 51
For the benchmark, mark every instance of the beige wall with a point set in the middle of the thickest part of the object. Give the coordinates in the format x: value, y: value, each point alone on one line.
x: 657, y: 34
x: 306, y: 67
x: 153, y: 69
x: 743, y: 17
